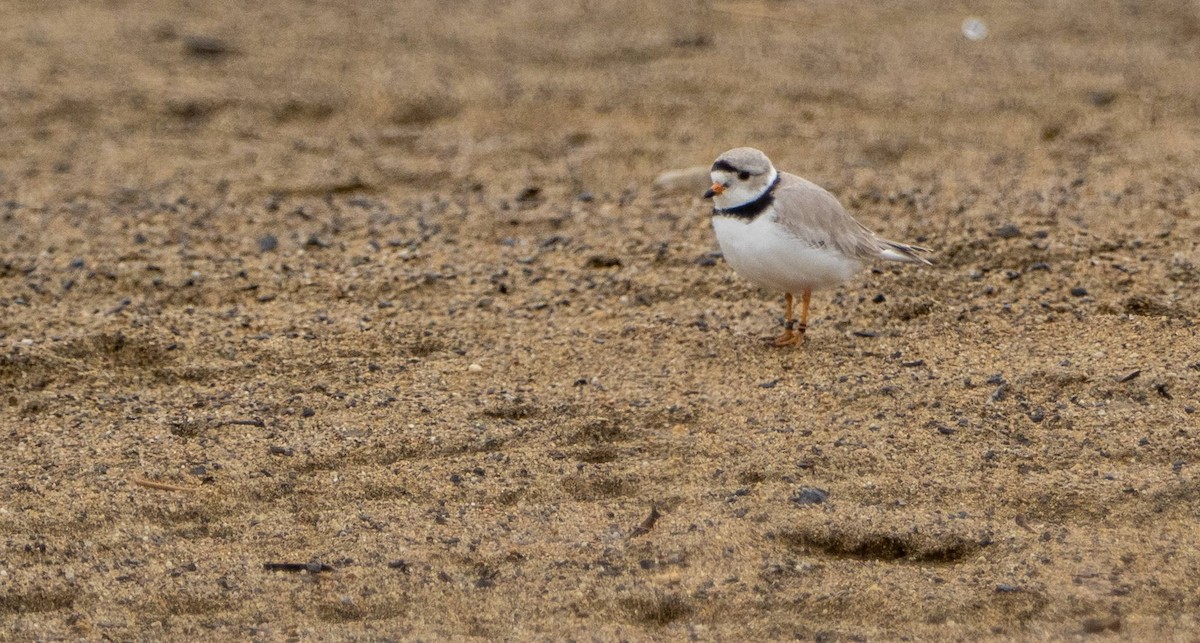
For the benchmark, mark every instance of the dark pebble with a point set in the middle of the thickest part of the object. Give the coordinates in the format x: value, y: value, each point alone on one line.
x: 1098, y: 625
x: 288, y: 451
x: 603, y: 261
x: 769, y: 384
x: 738, y: 493
x: 530, y: 193
x: 400, y: 565
x: 946, y: 430
x: 206, y: 47
x: 585, y: 197
x: 1079, y: 291
x: 267, y: 243
x: 1005, y: 588
x: 1102, y: 97
x: 455, y: 478
x: 810, y: 496
x: 913, y: 363
x: 307, y: 412
x: 879, y: 299
x: 1008, y: 231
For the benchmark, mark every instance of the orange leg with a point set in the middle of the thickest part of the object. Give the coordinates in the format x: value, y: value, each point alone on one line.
x: 803, y: 326
x: 793, y: 333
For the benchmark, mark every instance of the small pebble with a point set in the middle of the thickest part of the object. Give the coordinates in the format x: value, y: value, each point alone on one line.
x: 401, y: 565
x: 529, y: 193
x: 475, y: 368
x: 1102, y: 97
x: 810, y: 496
x: 200, y: 46
x: 1008, y: 231
x: 1098, y: 625
x: 1079, y: 291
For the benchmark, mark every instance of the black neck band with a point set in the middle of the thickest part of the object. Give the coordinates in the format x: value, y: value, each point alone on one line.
x: 753, y: 208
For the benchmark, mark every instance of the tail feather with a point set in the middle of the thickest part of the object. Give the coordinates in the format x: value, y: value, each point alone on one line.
x: 893, y: 251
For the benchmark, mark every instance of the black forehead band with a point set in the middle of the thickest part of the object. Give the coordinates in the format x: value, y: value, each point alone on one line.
x: 722, y: 164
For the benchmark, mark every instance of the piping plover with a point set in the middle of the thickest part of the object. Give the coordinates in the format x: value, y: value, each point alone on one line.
x: 789, y: 235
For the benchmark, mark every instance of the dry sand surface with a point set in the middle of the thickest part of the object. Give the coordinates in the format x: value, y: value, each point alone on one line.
x: 331, y: 322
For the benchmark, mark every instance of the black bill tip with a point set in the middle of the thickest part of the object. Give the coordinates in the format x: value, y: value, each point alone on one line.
x: 708, y: 194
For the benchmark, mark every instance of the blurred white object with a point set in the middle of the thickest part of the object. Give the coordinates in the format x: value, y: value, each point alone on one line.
x: 693, y: 179
x: 974, y: 29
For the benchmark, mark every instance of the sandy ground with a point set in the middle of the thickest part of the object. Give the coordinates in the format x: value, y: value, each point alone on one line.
x: 386, y: 294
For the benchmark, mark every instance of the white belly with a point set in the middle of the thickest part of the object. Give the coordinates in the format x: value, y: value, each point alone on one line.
x: 771, y: 257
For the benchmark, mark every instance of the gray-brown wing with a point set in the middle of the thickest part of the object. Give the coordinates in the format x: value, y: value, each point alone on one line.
x: 814, y: 215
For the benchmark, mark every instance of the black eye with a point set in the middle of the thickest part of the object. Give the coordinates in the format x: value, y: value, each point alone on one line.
x: 743, y: 175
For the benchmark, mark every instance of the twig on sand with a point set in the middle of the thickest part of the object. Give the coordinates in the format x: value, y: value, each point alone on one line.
x: 161, y: 486
x: 255, y: 422
x: 312, y: 568
x: 647, y: 524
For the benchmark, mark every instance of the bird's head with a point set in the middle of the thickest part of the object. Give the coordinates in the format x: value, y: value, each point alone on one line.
x: 740, y: 176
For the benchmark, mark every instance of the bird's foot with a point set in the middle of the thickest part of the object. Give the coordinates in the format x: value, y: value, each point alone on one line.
x: 790, y: 337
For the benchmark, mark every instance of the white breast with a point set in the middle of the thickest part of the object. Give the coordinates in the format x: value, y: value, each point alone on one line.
x: 766, y: 254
